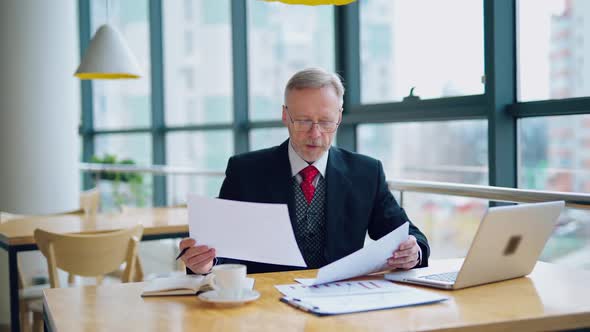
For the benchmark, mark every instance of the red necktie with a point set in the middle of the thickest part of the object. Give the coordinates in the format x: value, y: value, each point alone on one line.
x: 308, y: 174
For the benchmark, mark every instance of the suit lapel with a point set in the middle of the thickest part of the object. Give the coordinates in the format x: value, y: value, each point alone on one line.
x: 280, y: 179
x: 338, y: 187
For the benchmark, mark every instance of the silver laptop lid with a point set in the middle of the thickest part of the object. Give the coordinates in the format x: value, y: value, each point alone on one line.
x: 508, y: 242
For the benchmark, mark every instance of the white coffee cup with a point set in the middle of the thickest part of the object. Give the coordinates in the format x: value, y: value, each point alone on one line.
x: 229, y: 280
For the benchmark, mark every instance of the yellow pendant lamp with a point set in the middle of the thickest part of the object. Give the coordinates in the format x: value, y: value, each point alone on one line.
x: 315, y: 2
x: 108, y: 57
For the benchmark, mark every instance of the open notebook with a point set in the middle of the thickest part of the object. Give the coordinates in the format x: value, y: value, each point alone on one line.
x: 183, y: 285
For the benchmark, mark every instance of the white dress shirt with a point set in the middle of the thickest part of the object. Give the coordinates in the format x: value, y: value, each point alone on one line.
x: 298, y: 164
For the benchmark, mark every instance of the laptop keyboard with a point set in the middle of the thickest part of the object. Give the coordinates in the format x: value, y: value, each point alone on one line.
x: 447, y: 277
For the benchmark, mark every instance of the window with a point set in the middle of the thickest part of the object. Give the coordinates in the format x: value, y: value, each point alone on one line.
x: 189, y: 79
x: 136, y: 147
x: 125, y: 103
x: 450, y: 151
x: 197, y: 62
x: 283, y: 39
x: 267, y: 137
x: 125, y: 190
x: 569, y: 244
x: 449, y: 222
x: 188, y: 10
x: 189, y: 40
x: 554, y: 153
x: 551, y: 52
x: 204, y: 151
x: 435, y: 46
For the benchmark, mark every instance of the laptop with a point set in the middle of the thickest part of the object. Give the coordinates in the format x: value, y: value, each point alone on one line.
x: 507, y: 245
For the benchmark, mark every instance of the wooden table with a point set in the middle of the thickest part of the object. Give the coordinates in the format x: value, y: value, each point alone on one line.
x: 17, y: 235
x: 551, y: 298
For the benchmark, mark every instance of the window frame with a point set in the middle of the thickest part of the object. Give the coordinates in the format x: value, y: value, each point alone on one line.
x: 498, y: 104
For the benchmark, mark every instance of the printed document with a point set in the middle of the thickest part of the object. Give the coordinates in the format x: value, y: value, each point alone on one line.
x: 249, y: 231
x: 372, y: 258
x: 354, y: 296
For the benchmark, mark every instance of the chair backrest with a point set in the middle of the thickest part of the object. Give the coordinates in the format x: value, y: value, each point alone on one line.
x: 90, y: 201
x: 89, y: 255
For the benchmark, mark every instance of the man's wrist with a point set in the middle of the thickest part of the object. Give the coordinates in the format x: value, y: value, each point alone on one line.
x: 212, y: 265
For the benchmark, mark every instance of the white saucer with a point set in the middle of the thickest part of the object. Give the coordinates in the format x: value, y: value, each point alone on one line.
x: 213, y: 297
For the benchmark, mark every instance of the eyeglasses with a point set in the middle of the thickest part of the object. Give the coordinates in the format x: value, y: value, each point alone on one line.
x: 306, y: 125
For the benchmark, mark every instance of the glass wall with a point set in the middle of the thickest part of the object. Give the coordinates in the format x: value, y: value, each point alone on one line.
x: 447, y: 151
x: 553, y: 49
x: 570, y: 242
x: 553, y: 149
x: 554, y: 153
x: 266, y: 138
x: 434, y: 46
x: 124, y: 189
x: 204, y: 151
x: 197, y: 62
x: 283, y: 39
x: 189, y: 115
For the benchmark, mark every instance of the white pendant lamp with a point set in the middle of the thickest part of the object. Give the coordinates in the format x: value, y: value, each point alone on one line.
x: 108, y: 57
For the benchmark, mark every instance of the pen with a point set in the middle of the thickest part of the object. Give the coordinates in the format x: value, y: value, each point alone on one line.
x: 182, y: 253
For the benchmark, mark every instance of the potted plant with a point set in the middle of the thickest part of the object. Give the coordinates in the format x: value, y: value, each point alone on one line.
x: 127, y: 187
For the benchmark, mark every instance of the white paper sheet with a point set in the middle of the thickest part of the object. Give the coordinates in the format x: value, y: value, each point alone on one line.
x: 399, y: 296
x: 353, y: 296
x: 369, y: 259
x: 249, y: 231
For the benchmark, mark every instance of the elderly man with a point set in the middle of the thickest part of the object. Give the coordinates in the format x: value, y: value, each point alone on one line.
x: 334, y: 196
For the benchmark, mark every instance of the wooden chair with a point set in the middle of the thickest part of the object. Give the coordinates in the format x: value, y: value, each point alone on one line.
x: 87, y: 255
x: 28, y: 294
x: 90, y: 204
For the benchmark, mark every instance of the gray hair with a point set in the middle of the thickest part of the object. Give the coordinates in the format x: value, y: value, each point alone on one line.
x: 315, y: 78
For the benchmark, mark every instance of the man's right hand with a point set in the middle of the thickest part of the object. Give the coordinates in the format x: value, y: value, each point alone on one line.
x: 197, y: 258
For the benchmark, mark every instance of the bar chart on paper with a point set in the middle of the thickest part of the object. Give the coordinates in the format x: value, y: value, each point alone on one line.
x: 339, y: 288
x: 354, y: 296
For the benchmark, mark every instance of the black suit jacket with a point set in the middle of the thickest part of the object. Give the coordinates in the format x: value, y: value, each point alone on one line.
x: 357, y: 199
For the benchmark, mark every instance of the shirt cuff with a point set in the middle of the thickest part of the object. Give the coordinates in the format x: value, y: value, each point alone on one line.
x: 214, y: 263
x: 419, y: 256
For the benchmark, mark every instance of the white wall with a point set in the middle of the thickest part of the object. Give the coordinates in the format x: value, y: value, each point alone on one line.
x: 39, y: 106
x: 39, y: 112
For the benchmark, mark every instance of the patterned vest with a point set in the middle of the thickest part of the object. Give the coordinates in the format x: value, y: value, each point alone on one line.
x: 310, y: 224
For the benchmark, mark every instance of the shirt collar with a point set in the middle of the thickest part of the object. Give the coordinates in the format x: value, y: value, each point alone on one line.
x: 297, y: 163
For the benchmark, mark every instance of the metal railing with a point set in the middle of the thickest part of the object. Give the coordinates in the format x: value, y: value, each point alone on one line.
x: 502, y: 194
x: 152, y: 169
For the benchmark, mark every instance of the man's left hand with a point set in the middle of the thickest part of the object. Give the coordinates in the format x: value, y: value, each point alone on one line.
x: 406, y: 256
